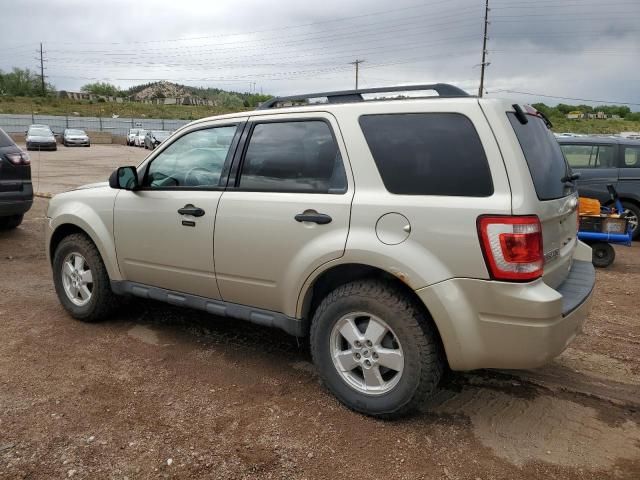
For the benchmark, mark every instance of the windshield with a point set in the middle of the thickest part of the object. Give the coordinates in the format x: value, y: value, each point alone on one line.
x: 142, y: 132
x: 544, y: 157
x: 40, y: 132
x: 160, y: 134
x: 133, y: 131
x: 76, y: 132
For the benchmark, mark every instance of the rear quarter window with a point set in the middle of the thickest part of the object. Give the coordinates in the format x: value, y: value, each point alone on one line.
x: 544, y: 157
x: 428, y: 154
x: 5, y: 140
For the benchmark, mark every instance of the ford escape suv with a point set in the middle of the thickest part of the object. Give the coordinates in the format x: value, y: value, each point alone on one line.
x: 400, y: 235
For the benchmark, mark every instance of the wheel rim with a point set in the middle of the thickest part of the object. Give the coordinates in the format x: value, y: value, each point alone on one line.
x: 632, y: 218
x: 77, y: 279
x: 366, y: 353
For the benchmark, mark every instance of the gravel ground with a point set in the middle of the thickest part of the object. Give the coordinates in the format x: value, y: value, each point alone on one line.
x: 158, y: 392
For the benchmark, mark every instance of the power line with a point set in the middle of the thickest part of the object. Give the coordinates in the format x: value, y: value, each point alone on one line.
x: 565, y: 98
x: 279, y: 28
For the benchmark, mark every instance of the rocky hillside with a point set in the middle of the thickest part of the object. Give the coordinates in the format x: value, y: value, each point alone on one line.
x: 161, y: 89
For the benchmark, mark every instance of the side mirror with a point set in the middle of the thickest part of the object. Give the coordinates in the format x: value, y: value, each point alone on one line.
x: 124, y: 178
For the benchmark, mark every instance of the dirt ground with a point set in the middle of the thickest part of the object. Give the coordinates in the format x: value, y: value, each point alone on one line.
x: 159, y: 392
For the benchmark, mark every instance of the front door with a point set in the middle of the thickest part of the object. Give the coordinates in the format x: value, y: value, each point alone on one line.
x: 597, y: 165
x: 286, y: 213
x: 164, y: 230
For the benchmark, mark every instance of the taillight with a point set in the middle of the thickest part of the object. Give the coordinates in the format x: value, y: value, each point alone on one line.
x: 21, y: 158
x: 512, y: 246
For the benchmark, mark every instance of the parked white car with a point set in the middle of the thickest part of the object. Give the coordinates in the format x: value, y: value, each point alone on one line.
x: 138, y: 140
x: 131, y: 136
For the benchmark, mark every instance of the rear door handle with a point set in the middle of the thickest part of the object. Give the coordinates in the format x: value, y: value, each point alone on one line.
x: 319, y: 218
x: 191, y: 210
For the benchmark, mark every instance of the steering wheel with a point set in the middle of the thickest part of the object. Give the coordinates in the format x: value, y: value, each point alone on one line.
x: 198, y: 181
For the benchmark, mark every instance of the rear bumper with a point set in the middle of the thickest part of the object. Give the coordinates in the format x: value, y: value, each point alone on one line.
x: 489, y: 324
x: 14, y: 207
x: 42, y: 146
x: 16, y: 202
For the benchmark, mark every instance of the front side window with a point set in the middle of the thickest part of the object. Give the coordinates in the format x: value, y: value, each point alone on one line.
x: 300, y: 156
x: 193, y: 160
x: 428, y: 154
x: 632, y: 157
x: 589, y: 156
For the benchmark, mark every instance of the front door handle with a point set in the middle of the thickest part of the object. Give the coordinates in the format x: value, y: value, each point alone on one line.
x: 189, y: 209
x: 319, y: 218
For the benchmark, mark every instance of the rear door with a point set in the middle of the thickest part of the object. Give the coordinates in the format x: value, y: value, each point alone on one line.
x: 285, y: 212
x: 553, y: 201
x: 629, y: 179
x: 597, y: 165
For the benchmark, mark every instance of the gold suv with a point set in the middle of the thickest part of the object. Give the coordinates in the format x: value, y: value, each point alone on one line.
x: 400, y: 235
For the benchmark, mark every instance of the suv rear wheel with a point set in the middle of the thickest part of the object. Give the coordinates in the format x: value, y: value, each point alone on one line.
x: 81, y: 279
x: 375, y: 350
x: 9, y: 223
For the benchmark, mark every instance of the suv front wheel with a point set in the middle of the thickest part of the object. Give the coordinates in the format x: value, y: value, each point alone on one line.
x: 375, y: 350
x: 81, y: 279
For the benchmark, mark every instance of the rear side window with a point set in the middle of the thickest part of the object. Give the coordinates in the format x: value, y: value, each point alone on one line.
x: 544, y: 157
x: 589, y: 156
x: 428, y: 154
x: 632, y: 157
x: 299, y: 156
x: 5, y: 140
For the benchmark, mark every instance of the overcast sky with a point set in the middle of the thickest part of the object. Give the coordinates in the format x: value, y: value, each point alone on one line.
x: 573, y: 48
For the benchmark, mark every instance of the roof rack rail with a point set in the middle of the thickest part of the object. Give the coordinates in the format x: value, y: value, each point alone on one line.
x: 353, y: 96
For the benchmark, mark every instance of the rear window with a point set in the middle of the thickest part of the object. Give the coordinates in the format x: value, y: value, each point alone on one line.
x: 428, y: 154
x: 5, y: 140
x: 544, y: 157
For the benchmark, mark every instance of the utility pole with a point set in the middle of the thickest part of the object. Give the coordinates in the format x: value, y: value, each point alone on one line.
x: 42, y: 70
x: 484, y: 48
x: 357, y: 64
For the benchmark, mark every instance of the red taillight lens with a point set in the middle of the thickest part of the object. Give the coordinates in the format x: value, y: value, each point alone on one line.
x: 21, y: 158
x: 512, y: 247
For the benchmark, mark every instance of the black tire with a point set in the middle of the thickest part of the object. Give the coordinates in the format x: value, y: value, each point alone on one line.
x: 602, y: 254
x: 11, y: 222
x: 423, y: 358
x: 102, y: 298
x: 635, y: 211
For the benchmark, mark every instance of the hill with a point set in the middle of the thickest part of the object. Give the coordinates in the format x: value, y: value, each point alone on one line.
x: 165, y: 89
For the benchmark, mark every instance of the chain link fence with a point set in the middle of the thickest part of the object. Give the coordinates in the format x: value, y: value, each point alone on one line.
x: 115, y: 126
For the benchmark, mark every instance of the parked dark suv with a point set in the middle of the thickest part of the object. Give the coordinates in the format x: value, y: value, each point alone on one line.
x: 16, y: 193
x: 607, y: 160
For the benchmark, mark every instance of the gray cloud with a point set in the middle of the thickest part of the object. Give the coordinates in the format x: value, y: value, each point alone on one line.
x: 573, y: 48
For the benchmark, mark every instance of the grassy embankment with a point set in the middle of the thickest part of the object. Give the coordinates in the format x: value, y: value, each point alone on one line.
x: 84, y: 108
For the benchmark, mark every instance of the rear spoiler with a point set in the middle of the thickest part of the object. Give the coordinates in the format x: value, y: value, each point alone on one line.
x: 523, y: 110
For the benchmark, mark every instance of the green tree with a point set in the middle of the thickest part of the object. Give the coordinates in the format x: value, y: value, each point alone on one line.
x: 102, y: 88
x: 23, y: 83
